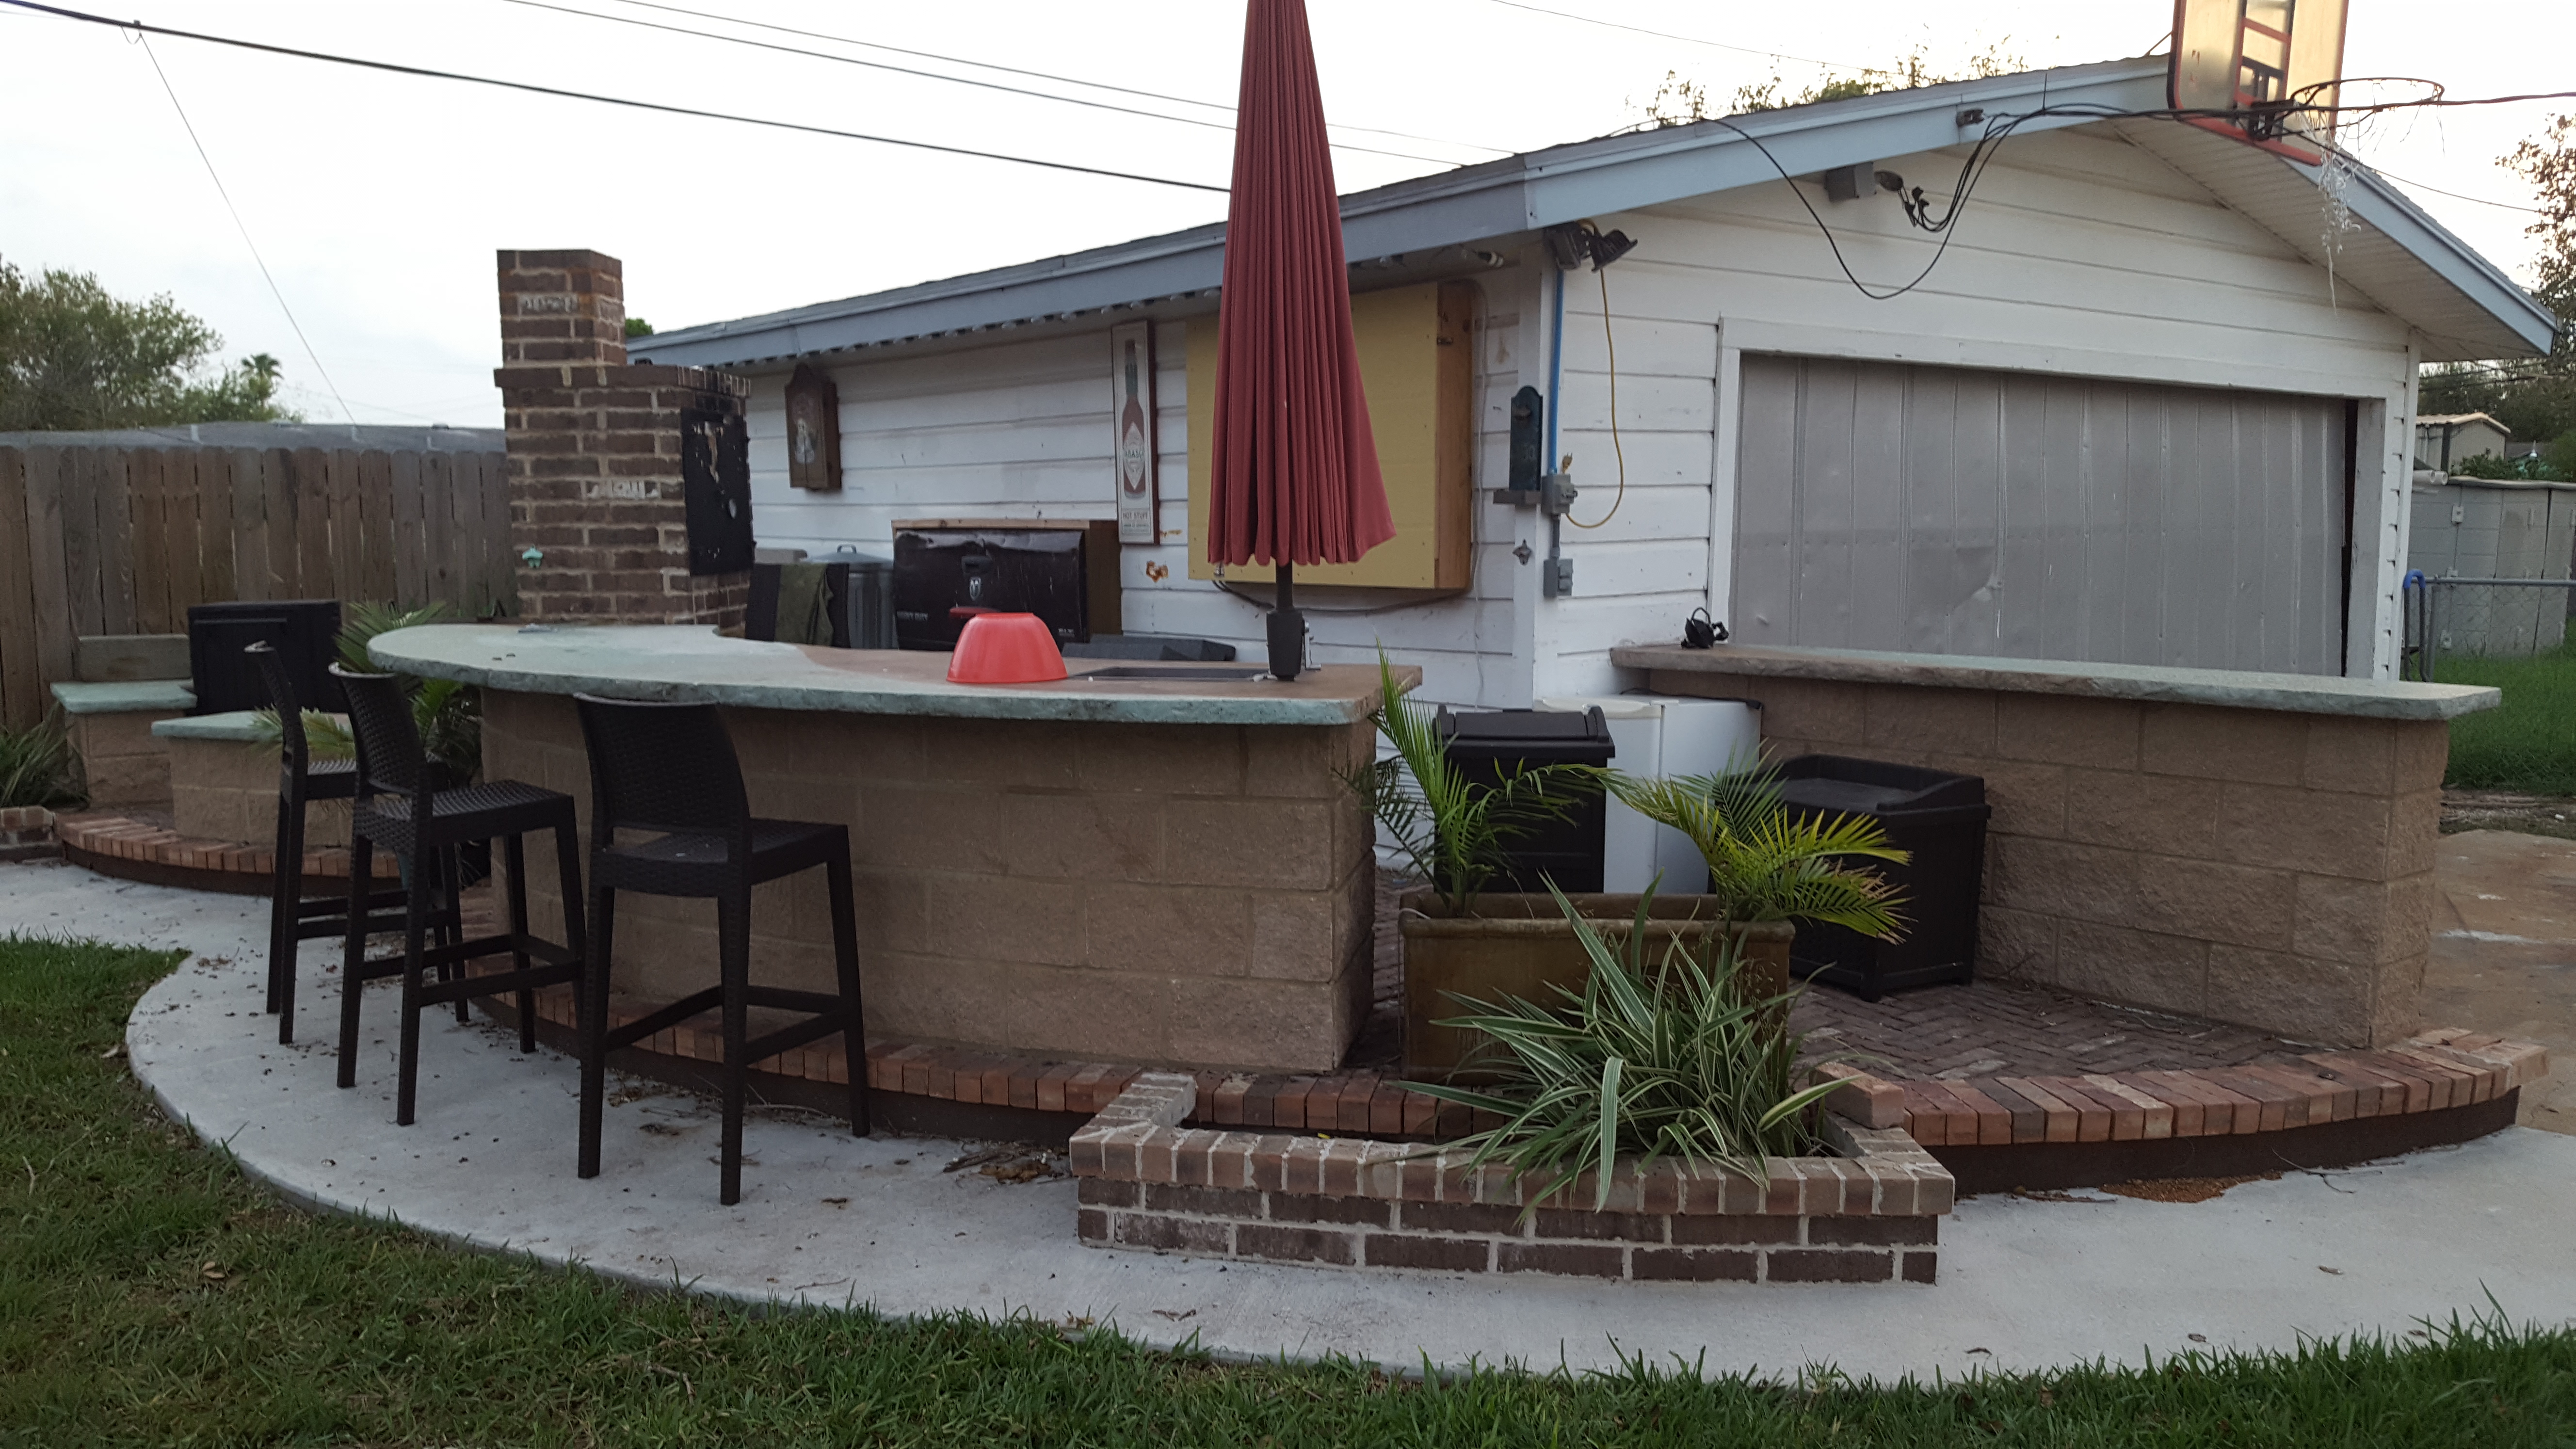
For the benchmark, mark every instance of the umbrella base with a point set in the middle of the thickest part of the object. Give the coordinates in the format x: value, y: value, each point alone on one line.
x: 1287, y: 643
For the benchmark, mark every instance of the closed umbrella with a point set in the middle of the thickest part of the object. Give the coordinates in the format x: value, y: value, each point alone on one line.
x: 1293, y: 469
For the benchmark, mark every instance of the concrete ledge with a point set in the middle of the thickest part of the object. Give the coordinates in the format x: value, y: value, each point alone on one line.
x: 133, y: 696
x: 241, y: 724
x: 2228, y: 689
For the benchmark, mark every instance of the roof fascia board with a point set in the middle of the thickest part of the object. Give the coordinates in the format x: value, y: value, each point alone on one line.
x: 2382, y: 207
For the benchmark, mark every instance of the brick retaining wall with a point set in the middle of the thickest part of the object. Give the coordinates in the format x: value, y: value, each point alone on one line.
x: 1871, y: 1215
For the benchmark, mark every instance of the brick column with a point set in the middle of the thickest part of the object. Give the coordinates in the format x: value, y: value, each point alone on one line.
x: 595, y: 453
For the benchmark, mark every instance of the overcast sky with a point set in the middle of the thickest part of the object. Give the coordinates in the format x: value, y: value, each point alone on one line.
x: 378, y: 200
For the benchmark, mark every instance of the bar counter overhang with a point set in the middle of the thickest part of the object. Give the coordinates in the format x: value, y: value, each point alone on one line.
x: 1167, y: 871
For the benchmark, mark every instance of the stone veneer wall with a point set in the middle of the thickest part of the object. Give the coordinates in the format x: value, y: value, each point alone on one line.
x: 122, y: 762
x: 2263, y: 867
x: 1872, y: 1215
x: 1186, y: 895
x: 595, y: 453
x: 227, y: 790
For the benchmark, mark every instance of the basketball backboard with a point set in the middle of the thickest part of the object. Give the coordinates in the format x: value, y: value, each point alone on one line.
x: 2254, y: 66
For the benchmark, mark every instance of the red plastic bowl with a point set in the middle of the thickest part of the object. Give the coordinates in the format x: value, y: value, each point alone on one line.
x: 1005, y: 649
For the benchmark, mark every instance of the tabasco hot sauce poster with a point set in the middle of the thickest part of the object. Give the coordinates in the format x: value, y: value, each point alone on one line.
x: 1131, y: 381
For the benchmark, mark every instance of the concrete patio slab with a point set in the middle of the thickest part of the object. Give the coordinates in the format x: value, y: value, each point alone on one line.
x: 2026, y: 1284
x: 2504, y: 952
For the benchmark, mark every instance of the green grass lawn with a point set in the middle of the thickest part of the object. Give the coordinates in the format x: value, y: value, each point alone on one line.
x: 149, y: 1295
x: 2529, y: 743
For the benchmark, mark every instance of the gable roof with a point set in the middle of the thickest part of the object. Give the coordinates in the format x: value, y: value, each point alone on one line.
x: 2395, y: 254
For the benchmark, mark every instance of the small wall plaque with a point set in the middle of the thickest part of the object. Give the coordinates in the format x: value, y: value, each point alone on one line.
x: 813, y: 430
x: 1131, y: 409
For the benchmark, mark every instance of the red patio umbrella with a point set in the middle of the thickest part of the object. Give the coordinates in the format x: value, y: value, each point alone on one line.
x: 1293, y: 469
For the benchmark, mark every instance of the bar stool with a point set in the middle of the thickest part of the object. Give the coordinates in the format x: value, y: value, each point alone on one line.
x: 671, y: 769
x: 423, y: 824
x: 302, y: 779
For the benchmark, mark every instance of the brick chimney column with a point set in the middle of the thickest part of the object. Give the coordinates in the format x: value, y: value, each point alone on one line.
x: 595, y: 454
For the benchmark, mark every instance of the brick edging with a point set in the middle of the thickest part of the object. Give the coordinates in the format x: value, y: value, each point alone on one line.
x: 1149, y: 1183
x: 122, y: 838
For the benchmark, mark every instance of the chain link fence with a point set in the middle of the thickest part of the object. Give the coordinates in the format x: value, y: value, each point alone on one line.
x: 2482, y: 619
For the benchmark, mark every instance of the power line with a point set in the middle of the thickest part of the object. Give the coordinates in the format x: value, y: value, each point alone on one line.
x: 2455, y: 196
x: 412, y: 70
x: 934, y: 75
x: 1691, y: 39
x: 244, y: 228
x: 1031, y: 74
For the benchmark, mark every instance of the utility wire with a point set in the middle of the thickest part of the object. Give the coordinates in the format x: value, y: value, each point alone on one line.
x: 243, y: 228
x: 934, y: 75
x: 413, y: 70
x: 1692, y: 39
x: 1032, y: 74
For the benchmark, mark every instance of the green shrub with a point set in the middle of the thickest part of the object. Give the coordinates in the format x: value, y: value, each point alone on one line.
x: 37, y: 767
x: 1674, y: 1059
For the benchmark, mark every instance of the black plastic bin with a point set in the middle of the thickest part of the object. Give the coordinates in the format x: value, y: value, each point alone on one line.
x: 1489, y: 744
x: 306, y: 633
x: 1941, y: 819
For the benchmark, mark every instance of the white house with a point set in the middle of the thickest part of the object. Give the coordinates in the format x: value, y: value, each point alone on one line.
x: 2154, y: 402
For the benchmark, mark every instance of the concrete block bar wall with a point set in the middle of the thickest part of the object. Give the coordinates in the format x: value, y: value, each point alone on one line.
x: 2254, y: 848
x: 1168, y: 872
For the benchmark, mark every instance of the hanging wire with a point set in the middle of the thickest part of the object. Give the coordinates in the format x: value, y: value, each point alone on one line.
x: 243, y: 227
x: 1601, y: 274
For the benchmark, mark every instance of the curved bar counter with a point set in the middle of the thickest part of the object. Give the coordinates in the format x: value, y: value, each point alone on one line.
x: 1125, y: 868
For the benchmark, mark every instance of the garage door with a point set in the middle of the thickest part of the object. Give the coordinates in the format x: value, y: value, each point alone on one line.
x: 1951, y: 511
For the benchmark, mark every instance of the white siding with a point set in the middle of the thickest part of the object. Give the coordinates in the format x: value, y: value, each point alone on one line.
x: 2080, y: 254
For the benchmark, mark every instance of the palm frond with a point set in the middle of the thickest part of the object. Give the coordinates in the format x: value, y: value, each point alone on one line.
x: 1767, y: 862
x: 1663, y: 1058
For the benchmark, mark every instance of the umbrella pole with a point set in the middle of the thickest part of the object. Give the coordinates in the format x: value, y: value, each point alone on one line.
x: 1287, y: 628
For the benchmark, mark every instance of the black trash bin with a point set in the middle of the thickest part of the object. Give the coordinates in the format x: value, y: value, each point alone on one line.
x: 1940, y: 818
x: 1490, y: 744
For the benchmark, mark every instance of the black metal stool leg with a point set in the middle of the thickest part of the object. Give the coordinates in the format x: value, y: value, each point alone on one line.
x: 515, y: 857
x: 362, y: 866
x: 733, y: 931
x: 594, y: 1024
x: 416, y: 921
x: 845, y: 956
x: 286, y: 893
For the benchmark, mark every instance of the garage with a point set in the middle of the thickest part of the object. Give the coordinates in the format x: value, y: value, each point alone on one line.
x: 1952, y: 510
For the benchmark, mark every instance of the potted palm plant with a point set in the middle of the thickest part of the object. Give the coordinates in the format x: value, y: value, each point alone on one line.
x: 1680, y: 1055
x: 1767, y: 866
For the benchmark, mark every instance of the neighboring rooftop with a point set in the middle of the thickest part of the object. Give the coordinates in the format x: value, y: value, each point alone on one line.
x: 274, y: 435
x: 2435, y: 420
x: 2403, y: 260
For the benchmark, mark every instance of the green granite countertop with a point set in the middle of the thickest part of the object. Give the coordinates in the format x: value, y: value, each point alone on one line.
x: 126, y: 696
x: 2163, y: 684
x: 691, y: 662
x: 240, y: 724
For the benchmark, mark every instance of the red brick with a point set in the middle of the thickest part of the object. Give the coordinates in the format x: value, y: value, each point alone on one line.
x: 1101, y: 1192
x: 2092, y: 1116
x: 1872, y: 1232
x: 1461, y: 1217
x: 1733, y: 1229
x: 1575, y: 1223
x: 1696, y: 1265
x: 2029, y: 1119
x: 1227, y: 1106
x: 1921, y: 1268
x: 1445, y: 1255
x: 1173, y: 1235
x: 1386, y: 1110
x: 1582, y: 1260
x: 1295, y: 1245
x: 1209, y: 1202
x: 1299, y: 1207
x: 1994, y: 1125
x: 2276, y: 1106
x: 1091, y: 1225
x: 1829, y: 1265
x: 1051, y: 1087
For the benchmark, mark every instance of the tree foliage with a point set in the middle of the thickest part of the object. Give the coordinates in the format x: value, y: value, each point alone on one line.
x: 2534, y: 399
x: 74, y: 356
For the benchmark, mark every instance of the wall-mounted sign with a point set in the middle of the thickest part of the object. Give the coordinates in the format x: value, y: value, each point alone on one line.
x: 1131, y: 406
x: 813, y: 430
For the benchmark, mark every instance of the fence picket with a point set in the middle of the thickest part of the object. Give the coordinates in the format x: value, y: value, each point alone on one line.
x: 22, y: 687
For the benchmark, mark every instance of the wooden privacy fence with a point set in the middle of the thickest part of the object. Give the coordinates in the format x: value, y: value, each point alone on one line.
x: 121, y: 540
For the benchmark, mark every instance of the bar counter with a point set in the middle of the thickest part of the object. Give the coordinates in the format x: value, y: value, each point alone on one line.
x: 1156, y: 870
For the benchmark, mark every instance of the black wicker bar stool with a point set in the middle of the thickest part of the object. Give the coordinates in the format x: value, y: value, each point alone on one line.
x: 670, y: 770
x: 421, y: 823
x: 301, y: 779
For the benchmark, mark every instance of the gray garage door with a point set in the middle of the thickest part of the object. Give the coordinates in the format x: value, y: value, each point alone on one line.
x: 1951, y: 511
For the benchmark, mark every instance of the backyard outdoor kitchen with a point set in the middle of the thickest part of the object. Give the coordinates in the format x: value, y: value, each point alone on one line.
x: 1172, y: 712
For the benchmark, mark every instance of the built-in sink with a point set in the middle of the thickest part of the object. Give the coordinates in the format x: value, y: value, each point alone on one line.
x: 1235, y: 674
